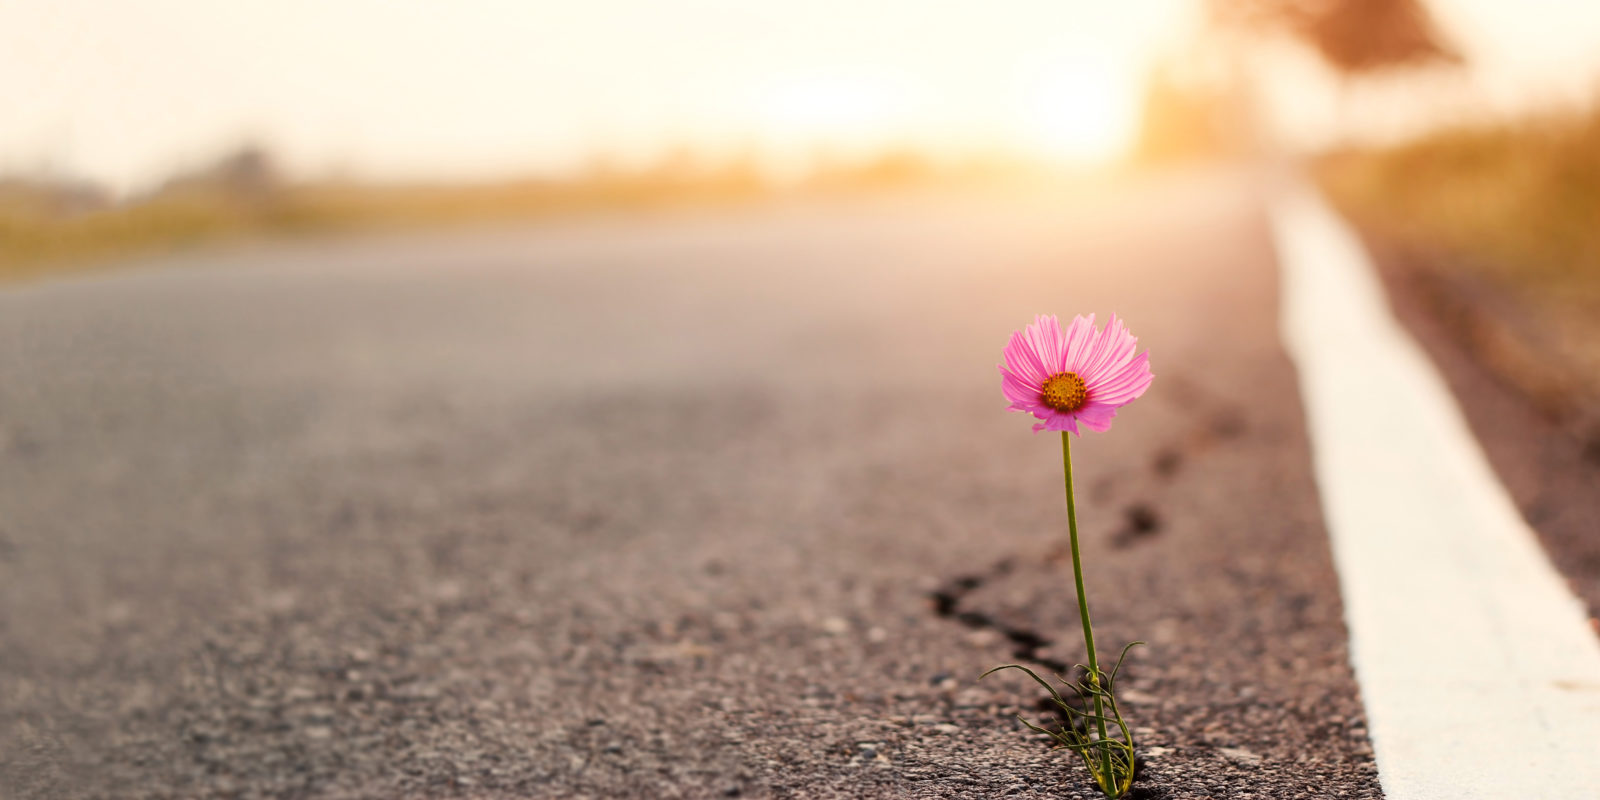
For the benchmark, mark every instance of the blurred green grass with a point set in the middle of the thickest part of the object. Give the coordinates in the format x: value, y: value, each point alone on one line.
x: 1510, y: 212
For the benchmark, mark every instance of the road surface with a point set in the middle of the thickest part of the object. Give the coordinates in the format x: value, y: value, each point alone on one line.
x: 708, y: 505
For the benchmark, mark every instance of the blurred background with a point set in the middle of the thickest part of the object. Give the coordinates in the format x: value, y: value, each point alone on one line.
x: 296, y: 107
x: 1457, y: 127
x: 1453, y: 126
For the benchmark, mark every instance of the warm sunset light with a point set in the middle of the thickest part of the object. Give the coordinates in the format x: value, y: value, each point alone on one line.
x: 1080, y: 111
x: 482, y: 89
x: 801, y: 119
x: 828, y: 107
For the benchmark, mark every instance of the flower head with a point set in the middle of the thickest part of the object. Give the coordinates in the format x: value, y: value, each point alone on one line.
x: 1081, y: 375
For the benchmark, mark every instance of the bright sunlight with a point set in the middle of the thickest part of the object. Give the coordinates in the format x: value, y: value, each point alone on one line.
x: 1079, y: 111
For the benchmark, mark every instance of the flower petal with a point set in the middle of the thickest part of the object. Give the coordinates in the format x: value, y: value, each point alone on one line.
x: 1127, y: 384
x: 1078, y: 339
x: 1058, y: 422
x: 1045, y: 333
x: 1017, y: 390
x: 1024, y: 361
x: 1095, y: 359
x: 1097, y: 416
x: 1105, y: 359
x: 1119, y: 351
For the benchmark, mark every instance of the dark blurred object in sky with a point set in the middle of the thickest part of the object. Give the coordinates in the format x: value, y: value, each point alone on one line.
x: 1353, y: 36
x: 1210, y: 102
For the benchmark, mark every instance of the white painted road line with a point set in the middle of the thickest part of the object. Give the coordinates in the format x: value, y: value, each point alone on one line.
x: 1480, y: 675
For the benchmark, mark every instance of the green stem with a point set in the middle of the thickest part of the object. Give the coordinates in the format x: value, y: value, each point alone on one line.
x: 1083, y: 603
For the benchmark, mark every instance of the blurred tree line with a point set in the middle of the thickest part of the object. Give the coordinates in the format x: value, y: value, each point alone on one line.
x: 1355, y: 37
x: 1216, y: 113
x: 51, y: 221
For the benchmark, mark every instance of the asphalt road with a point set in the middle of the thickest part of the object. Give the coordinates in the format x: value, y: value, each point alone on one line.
x: 709, y: 505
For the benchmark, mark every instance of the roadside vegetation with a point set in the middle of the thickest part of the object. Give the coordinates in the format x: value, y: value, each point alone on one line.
x: 51, y: 226
x: 1524, y: 196
x: 1505, y: 218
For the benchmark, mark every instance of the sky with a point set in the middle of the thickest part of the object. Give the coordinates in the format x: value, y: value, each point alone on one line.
x: 1524, y: 56
x: 126, y: 92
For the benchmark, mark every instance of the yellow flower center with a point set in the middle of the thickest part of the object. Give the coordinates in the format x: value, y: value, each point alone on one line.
x: 1064, y: 391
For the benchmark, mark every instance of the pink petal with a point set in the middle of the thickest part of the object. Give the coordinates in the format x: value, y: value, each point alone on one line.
x: 1119, y: 351
x: 1017, y: 390
x: 1024, y: 360
x: 1126, y: 384
x: 1097, y: 355
x: 1135, y: 390
x: 1104, y: 358
x: 1045, y: 336
x: 1058, y: 422
x: 1124, y: 374
x: 1079, y: 336
x: 1058, y: 344
x: 1097, y: 416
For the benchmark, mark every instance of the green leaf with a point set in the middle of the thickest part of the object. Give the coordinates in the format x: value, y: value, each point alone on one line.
x: 1051, y: 689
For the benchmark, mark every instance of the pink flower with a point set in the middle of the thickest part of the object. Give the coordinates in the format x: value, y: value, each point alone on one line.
x: 1083, y: 375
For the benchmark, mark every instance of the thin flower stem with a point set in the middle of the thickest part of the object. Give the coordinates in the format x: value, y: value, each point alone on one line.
x: 1083, y: 602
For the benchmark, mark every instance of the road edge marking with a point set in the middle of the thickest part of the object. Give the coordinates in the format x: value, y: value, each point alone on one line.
x: 1479, y: 672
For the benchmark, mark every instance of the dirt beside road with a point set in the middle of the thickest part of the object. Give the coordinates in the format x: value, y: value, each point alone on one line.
x: 1538, y: 420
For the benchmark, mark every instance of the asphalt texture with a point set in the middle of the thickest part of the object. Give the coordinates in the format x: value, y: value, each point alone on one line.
x: 703, y: 506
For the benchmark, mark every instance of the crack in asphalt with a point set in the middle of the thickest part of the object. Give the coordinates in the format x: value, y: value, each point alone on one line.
x: 1142, y: 522
x: 1026, y: 643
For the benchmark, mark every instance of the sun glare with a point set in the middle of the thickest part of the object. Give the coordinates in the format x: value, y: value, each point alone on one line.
x: 1079, y: 112
x: 827, y: 107
x: 1076, y: 112
x: 543, y: 87
x: 802, y: 119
